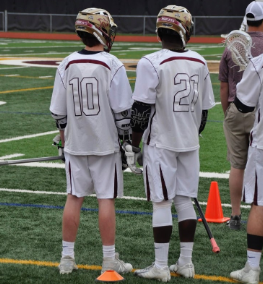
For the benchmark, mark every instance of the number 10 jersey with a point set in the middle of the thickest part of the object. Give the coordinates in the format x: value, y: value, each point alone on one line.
x: 89, y: 87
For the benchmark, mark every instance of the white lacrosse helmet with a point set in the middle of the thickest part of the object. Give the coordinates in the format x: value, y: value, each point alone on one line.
x: 176, y: 18
x: 99, y: 23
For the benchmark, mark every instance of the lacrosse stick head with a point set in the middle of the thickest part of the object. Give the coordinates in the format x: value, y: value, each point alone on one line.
x: 239, y: 43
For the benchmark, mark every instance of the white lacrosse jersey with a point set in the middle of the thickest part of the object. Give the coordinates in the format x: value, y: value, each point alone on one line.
x: 178, y: 86
x: 89, y: 87
x: 250, y: 93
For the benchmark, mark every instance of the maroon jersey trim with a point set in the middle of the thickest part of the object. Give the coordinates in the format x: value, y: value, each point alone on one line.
x: 182, y: 58
x: 87, y: 61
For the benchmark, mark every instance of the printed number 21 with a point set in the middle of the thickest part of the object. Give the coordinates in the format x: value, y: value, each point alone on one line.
x: 85, y: 96
x: 186, y: 92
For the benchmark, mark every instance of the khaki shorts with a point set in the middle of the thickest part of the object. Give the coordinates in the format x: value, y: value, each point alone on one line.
x: 167, y: 173
x: 94, y: 174
x: 253, y: 178
x: 237, y: 126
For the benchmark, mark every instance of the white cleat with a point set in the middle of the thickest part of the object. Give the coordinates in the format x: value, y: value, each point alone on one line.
x: 187, y: 270
x: 247, y: 274
x: 116, y: 265
x: 67, y: 265
x: 153, y: 272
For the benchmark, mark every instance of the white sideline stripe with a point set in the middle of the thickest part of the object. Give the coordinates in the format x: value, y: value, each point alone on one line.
x: 13, y: 68
x: 214, y: 175
x: 41, y: 165
x: 62, y: 166
x: 28, y: 136
x: 93, y: 195
x: 2, y: 103
x: 11, y: 156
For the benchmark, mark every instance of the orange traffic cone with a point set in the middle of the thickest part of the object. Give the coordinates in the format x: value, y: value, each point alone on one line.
x: 110, y: 276
x: 214, y: 212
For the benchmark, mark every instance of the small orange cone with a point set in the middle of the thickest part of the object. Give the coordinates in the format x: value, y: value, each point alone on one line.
x: 110, y: 276
x: 214, y: 212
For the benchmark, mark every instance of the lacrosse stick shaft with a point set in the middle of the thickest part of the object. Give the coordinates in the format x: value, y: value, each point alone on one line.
x: 215, y: 247
x: 22, y: 161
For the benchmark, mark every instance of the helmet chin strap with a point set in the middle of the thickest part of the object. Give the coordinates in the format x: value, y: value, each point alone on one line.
x: 182, y: 37
x: 99, y: 39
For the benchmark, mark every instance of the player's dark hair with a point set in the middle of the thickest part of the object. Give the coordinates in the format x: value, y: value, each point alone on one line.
x: 170, y: 39
x: 88, y: 39
x: 253, y: 23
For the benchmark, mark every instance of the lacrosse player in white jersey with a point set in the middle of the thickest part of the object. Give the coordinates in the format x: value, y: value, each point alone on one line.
x: 172, y: 95
x: 91, y: 104
x: 250, y: 97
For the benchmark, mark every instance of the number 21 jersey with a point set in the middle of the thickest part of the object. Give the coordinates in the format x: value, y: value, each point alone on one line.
x: 178, y: 86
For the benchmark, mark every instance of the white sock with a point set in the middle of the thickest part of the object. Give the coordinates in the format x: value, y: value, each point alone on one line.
x: 108, y: 251
x: 186, y: 251
x: 161, y: 254
x: 68, y: 248
x: 253, y: 258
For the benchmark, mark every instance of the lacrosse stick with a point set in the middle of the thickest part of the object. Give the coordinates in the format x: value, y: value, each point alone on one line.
x: 22, y: 161
x: 215, y: 247
x: 239, y: 43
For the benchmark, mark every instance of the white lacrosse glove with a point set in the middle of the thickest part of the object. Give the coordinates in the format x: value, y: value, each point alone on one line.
x: 57, y: 142
x: 133, y: 155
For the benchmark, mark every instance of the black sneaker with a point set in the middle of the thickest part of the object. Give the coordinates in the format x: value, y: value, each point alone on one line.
x: 235, y: 222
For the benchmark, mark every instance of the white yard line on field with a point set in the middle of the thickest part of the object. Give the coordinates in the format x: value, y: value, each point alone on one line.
x: 93, y: 195
x: 11, y: 156
x: 13, y: 67
x: 62, y: 166
x: 28, y: 136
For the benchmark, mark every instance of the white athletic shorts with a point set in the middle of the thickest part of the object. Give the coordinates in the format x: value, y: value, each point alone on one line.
x: 253, y: 178
x: 167, y: 173
x: 94, y: 174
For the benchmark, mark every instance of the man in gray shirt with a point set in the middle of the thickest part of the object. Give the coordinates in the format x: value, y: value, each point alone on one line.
x: 237, y: 125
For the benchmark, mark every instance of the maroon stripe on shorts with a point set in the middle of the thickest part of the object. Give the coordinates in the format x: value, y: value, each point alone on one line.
x: 115, y: 183
x: 70, y: 177
x: 165, y: 194
x: 148, y: 186
x: 244, y: 195
x: 256, y: 191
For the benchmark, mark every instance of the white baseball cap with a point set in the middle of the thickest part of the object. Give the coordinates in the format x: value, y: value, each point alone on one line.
x: 256, y: 9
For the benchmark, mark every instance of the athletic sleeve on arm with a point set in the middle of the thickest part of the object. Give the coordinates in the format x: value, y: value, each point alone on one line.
x: 248, y: 89
x: 120, y: 93
x: 140, y: 115
x: 146, y: 82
